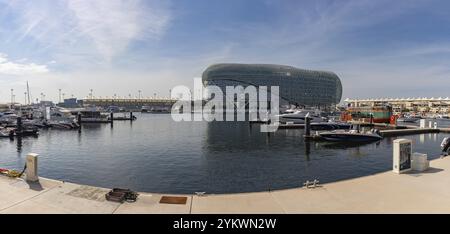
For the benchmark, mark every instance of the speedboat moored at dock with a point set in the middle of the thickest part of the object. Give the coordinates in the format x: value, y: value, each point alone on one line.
x: 351, y: 136
x: 298, y: 117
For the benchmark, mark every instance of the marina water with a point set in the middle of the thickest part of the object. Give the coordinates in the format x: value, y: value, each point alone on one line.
x: 156, y: 154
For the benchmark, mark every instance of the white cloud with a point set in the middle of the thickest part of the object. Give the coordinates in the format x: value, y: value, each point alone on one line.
x: 113, y: 24
x: 8, y: 67
x: 101, y: 28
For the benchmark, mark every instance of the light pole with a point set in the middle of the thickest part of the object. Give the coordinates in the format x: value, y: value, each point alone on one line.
x: 25, y: 98
x: 12, y: 98
x: 59, y: 95
x: 140, y: 91
x: 92, y: 94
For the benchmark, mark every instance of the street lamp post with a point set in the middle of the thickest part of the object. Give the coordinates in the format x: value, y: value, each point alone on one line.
x: 12, y: 97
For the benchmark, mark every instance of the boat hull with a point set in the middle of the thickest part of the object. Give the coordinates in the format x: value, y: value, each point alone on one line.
x: 349, y: 137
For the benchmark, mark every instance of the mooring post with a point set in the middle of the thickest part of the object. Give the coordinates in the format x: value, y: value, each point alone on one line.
x: 79, y: 121
x: 32, y: 168
x: 131, y: 116
x: 19, y: 125
x: 307, y: 127
x: 111, y: 116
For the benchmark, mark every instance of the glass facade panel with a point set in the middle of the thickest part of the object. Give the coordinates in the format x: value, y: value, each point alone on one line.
x: 297, y: 86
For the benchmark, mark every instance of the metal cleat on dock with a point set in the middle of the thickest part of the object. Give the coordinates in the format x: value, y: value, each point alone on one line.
x: 311, y: 184
x: 200, y: 194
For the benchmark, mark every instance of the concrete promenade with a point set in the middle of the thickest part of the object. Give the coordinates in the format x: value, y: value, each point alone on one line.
x: 427, y: 192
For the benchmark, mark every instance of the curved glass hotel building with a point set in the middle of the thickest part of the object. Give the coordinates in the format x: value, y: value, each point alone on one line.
x: 297, y: 86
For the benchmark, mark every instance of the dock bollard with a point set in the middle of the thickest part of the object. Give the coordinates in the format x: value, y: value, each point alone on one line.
x: 32, y: 168
x: 307, y: 127
x: 19, y: 125
x: 79, y: 121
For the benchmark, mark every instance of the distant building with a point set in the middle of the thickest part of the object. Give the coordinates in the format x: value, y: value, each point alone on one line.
x: 297, y: 86
x: 71, y: 103
x: 400, y: 105
x: 4, y: 107
x: 46, y: 103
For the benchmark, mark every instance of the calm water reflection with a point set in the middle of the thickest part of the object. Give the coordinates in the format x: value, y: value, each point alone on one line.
x: 155, y: 154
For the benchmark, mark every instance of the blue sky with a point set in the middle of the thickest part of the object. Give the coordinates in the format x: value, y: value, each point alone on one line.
x: 378, y: 48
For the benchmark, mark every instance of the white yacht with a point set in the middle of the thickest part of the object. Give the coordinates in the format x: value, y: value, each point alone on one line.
x: 8, y: 118
x: 298, y: 117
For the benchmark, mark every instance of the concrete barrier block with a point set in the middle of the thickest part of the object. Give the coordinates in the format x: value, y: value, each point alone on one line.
x: 420, y: 162
x: 421, y: 167
x: 32, y: 168
x: 419, y: 157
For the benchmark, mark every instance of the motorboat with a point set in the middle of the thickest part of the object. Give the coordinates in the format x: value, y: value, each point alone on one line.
x: 145, y: 109
x: 91, y: 115
x: 62, y: 119
x: 330, y: 126
x: 29, y: 131
x: 298, y: 117
x: 443, y: 117
x: 12, y: 132
x: 8, y: 118
x: 352, y: 136
x: 155, y: 109
x: 409, y: 119
x: 7, y: 132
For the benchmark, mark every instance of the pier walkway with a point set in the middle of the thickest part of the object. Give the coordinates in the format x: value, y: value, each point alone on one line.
x: 427, y: 192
